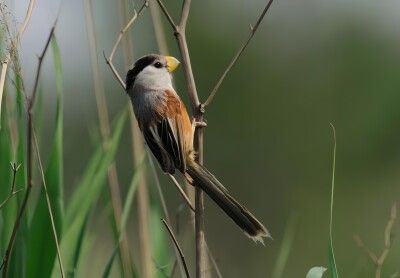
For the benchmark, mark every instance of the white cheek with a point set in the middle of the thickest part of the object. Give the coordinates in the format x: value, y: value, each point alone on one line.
x: 154, y: 77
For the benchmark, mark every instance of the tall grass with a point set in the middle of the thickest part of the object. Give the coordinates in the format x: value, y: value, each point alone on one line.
x: 34, y: 237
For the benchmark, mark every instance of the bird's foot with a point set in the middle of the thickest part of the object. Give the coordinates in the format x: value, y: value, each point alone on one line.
x: 196, y: 124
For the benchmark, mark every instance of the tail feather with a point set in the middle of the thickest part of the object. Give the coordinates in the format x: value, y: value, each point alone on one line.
x: 236, y: 211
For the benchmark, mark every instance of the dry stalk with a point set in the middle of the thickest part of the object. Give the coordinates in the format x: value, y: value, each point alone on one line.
x: 102, y: 112
x: 138, y: 150
x: 182, y: 257
x: 379, y: 260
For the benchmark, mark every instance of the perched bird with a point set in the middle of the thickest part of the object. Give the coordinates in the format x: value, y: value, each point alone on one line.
x: 168, y: 132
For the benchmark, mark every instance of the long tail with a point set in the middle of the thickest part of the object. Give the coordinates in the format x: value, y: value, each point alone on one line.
x: 236, y: 211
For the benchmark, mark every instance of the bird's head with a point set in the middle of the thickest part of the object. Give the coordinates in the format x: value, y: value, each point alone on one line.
x: 151, y: 70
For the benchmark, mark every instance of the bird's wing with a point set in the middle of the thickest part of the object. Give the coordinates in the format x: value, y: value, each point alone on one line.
x: 168, y: 137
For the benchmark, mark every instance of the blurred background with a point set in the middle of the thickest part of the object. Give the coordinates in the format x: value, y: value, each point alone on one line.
x: 268, y: 138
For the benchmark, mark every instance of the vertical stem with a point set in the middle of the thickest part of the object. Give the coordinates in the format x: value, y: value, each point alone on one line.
x: 138, y: 152
x: 102, y: 112
x: 201, y: 248
x: 142, y: 202
x: 158, y: 28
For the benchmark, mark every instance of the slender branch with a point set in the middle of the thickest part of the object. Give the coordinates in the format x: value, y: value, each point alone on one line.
x: 14, y: 168
x: 185, y: 14
x: 182, y: 257
x: 253, y: 30
x: 167, y: 15
x: 39, y: 67
x: 14, y: 44
x: 379, y: 260
x: 109, y: 60
x: 183, y: 194
x: 31, y: 102
x: 53, y: 226
x: 114, y: 71
x: 214, y: 261
x: 164, y: 206
x: 365, y: 249
x: 127, y: 26
x: 9, y: 198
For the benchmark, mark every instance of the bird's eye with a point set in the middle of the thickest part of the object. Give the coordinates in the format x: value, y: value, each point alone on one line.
x: 158, y: 65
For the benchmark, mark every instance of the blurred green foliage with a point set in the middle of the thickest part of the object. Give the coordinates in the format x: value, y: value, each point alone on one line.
x: 268, y: 136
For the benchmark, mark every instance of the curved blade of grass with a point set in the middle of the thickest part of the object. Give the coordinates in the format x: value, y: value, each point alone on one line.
x: 41, y: 249
x: 124, y: 218
x: 85, y: 196
x: 331, y: 255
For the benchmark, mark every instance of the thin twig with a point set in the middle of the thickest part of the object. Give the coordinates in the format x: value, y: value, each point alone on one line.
x: 164, y: 206
x: 182, y: 257
x: 31, y: 102
x: 14, y: 168
x: 127, y: 26
x: 109, y: 60
x: 167, y: 15
x: 14, y: 44
x: 183, y: 194
x: 39, y: 67
x: 9, y: 198
x: 114, y: 71
x: 379, y: 260
x: 368, y: 252
x: 53, y: 226
x: 253, y: 30
x: 213, y: 261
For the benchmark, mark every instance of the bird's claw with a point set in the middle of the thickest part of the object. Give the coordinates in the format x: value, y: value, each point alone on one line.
x: 196, y: 123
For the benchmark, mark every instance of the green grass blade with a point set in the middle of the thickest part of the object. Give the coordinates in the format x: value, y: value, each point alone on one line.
x: 84, y: 198
x: 331, y: 255
x: 8, y: 211
x: 124, y: 218
x: 41, y: 246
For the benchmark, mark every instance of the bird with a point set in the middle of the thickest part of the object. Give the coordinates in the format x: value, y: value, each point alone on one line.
x: 168, y: 132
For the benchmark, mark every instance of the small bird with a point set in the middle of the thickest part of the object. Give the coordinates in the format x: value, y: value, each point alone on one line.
x: 168, y: 132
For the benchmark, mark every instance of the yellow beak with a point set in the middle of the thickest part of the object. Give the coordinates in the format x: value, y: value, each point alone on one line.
x: 172, y: 63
